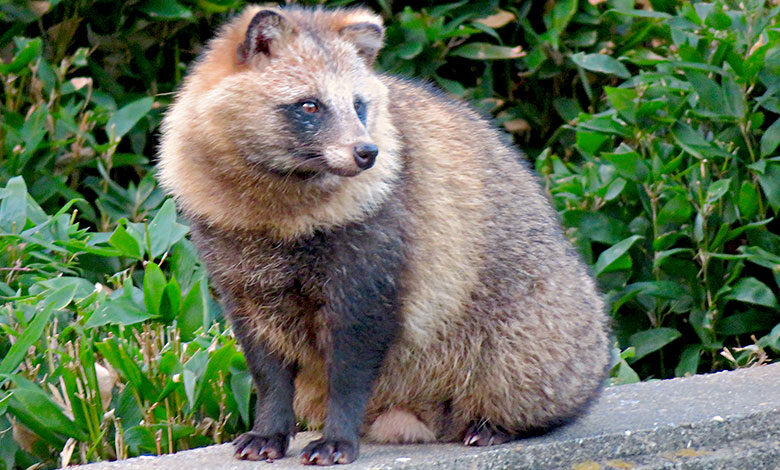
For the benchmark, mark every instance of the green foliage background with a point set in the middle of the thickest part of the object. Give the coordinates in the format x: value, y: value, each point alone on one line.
x: 654, y: 125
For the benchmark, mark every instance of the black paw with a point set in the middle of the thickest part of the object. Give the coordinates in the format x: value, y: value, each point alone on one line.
x: 252, y: 446
x: 481, y: 433
x: 329, y: 452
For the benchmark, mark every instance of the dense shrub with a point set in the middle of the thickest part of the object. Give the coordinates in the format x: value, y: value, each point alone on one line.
x: 654, y: 126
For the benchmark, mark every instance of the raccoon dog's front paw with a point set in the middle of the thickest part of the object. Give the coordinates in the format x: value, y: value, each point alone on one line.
x: 253, y: 446
x: 481, y: 433
x: 329, y: 452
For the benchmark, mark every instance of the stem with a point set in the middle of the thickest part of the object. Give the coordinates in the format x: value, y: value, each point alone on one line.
x: 747, y: 142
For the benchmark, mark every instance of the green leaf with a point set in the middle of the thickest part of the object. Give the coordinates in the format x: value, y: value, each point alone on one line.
x: 119, y: 311
x: 689, y: 361
x: 183, y: 263
x: 661, y: 256
x: 557, y: 18
x: 27, y: 54
x: 567, y: 108
x: 614, y: 189
x: 629, y: 164
x: 772, y: 340
x: 623, y: 100
x: 735, y: 95
x: 219, y: 361
x: 640, y: 13
x: 41, y: 415
x: 693, y: 142
x: 770, y: 183
x: 753, y: 291
x: 747, y: 202
x: 763, y: 258
x: 709, y: 93
x: 57, y: 300
x: 701, y: 322
x: 411, y: 49
x: 623, y: 374
x: 601, y: 63
x: 169, y: 363
x: 154, y: 285
x: 79, y: 58
x: 191, y: 316
x: 746, y: 322
x: 616, y: 258
x: 170, y: 387
x: 170, y: 301
x: 81, y: 286
x: 676, y: 211
x: 596, y: 226
x: 717, y: 189
x: 590, y: 142
x: 46, y: 413
x: 732, y: 234
x: 661, y: 289
x: 194, y: 368
x: 452, y: 87
x: 13, y: 208
x: 164, y: 231
x: 117, y: 355
x: 140, y: 439
x: 771, y: 139
x: 166, y: 9
x: 218, y: 6
x: 486, y: 51
x: 126, y: 117
x: 717, y: 19
x: 125, y: 243
x: 608, y: 124
x: 241, y: 384
x: 649, y: 341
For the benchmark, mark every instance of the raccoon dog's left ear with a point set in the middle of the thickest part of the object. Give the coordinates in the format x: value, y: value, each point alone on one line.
x: 266, y: 28
x: 367, y: 38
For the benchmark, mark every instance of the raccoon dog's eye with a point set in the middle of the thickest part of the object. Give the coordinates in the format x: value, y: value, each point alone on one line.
x: 360, y: 109
x: 310, y: 107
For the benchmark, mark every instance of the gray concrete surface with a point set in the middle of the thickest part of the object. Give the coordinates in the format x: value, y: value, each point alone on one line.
x: 728, y: 420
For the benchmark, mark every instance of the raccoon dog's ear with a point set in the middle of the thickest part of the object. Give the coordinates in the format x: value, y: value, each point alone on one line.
x: 367, y: 38
x: 266, y: 27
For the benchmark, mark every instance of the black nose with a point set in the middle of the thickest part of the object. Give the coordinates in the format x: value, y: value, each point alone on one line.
x: 365, y: 155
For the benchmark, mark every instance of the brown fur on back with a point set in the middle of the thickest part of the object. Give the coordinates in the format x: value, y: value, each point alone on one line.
x: 500, y: 320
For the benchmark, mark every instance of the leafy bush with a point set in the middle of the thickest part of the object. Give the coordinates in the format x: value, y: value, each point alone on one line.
x: 105, y: 354
x: 675, y: 188
x: 138, y: 343
x: 656, y: 131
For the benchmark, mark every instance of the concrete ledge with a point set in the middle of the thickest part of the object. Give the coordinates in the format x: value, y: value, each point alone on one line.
x: 728, y: 420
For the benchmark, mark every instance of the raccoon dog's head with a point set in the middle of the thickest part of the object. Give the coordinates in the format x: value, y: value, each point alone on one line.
x: 305, y: 102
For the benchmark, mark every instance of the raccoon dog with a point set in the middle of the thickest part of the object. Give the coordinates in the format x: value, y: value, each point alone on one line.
x: 390, y: 268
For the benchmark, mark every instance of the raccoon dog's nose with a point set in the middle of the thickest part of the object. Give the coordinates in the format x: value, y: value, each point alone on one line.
x: 365, y: 155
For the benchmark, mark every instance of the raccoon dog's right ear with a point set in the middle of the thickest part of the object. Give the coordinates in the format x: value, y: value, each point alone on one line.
x: 266, y: 27
x: 367, y: 38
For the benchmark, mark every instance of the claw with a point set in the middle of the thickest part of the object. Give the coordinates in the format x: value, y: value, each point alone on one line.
x: 329, y: 452
x: 251, y: 446
x: 482, y: 433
